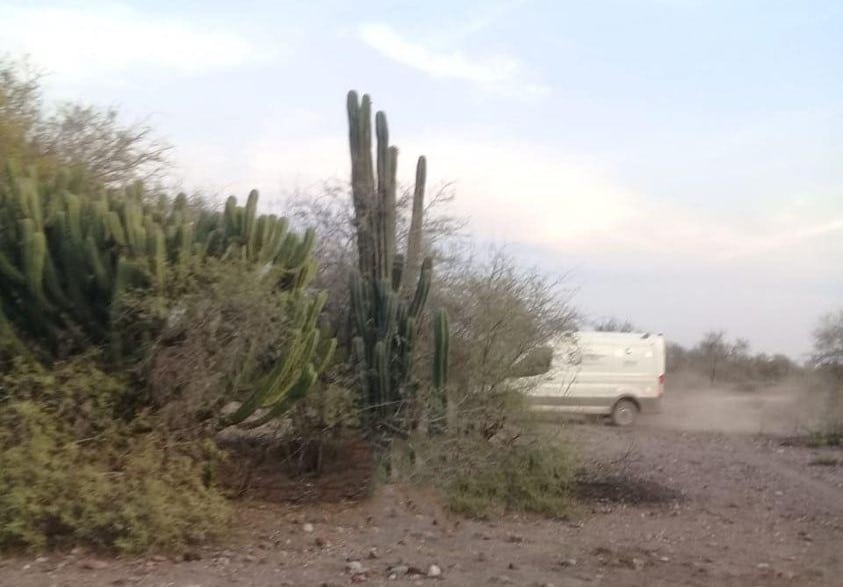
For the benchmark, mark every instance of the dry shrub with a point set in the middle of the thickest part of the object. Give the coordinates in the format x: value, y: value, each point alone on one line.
x: 318, y: 424
x: 72, y: 476
x: 515, y: 471
x: 523, y: 477
x: 226, y: 330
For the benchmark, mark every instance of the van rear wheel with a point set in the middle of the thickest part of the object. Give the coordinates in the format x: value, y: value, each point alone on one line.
x: 624, y: 412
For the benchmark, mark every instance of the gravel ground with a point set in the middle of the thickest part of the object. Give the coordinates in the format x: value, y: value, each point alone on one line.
x: 659, y: 506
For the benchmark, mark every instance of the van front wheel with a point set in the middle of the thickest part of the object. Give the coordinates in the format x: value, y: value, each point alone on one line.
x: 624, y: 412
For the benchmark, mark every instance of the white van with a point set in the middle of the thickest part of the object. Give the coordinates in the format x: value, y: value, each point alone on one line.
x: 608, y: 373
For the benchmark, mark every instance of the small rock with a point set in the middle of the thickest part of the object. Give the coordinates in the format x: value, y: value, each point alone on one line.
x: 399, y: 570
x: 355, y: 568
x: 308, y: 527
x: 434, y: 571
x: 94, y: 565
x: 515, y: 539
x: 762, y: 566
x: 249, y: 558
x: 664, y: 559
x: 320, y: 542
x: 41, y: 559
x: 358, y: 578
x: 512, y: 567
x: 159, y: 558
x: 568, y: 562
x: 373, y: 553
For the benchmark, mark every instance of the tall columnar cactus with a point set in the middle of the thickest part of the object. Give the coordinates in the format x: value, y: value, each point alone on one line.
x: 387, y: 299
x: 439, y: 397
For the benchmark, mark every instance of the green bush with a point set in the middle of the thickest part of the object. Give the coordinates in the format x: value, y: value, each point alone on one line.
x: 86, y: 476
x: 492, y: 480
x: 77, y: 392
x: 482, y: 478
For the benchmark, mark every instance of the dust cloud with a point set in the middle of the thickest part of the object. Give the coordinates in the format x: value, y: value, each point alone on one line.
x: 690, y: 403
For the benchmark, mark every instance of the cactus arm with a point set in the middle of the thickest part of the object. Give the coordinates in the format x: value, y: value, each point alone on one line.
x: 414, y: 236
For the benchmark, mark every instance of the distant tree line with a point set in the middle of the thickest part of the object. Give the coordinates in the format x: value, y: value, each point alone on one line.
x: 721, y: 359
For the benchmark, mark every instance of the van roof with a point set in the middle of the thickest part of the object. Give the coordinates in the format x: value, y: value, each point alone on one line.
x: 597, y: 335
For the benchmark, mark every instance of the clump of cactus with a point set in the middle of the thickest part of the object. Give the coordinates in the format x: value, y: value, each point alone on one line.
x: 388, y: 291
x: 71, y: 251
x: 266, y: 242
x: 295, y: 373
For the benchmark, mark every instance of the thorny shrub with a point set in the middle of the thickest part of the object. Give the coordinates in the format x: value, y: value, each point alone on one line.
x: 87, y: 476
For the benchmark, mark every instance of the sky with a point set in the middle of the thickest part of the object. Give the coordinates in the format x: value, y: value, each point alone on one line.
x: 680, y: 160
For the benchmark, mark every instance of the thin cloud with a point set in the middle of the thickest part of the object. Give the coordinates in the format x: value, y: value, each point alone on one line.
x: 86, y: 42
x: 536, y: 197
x: 488, y: 16
x: 789, y: 239
x: 496, y: 72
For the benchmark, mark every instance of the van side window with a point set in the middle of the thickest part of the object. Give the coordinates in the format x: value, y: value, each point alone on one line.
x: 592, y: 358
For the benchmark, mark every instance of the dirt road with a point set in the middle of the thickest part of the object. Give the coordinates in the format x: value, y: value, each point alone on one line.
x: 662, y: 507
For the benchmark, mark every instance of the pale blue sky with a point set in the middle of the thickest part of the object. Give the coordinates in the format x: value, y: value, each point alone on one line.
x: 683, y: 157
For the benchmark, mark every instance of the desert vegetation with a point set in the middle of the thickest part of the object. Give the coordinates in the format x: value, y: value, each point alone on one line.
x: 141, y: 331
x: 159, y: 352
x: 720, y: 360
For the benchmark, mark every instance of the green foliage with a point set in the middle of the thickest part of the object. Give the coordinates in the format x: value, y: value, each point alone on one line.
x: 524, y: 478
x: 71, y: 255
x: 235, y: 337
x: 83, y: 267
x: 386, y: 315
x: 831, y: 437
x: 77, y: 392
x: 70, y: 250
x: 296, y: 371
x: 67, y: 257
x: 86, y: 476
x: 72, y: 135
x: 480, y: 478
